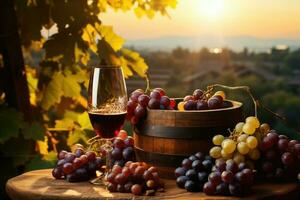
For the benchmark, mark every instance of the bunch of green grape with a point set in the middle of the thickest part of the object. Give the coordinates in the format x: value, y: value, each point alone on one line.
x: 242, y: 144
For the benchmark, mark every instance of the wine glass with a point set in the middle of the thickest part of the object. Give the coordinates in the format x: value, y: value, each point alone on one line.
x: 107, y: 100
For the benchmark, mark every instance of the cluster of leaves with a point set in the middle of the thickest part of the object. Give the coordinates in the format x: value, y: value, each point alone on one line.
x: 58, y: 85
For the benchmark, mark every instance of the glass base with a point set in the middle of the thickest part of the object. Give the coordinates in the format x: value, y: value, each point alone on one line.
x: 102, y: 146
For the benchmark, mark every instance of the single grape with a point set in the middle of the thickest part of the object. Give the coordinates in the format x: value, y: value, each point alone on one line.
x: 190, y: 105
x: 136, y: 189
x: 188, y: 98
x: 200, y: 155
x: 77, y: 163
x: 116, y: 154
x: 181, y: 180
x: 143, y: 100
x: 180, y: 171
x: 209, y: 188
x: 198, y: 94
x: 128, y: 153
x: 264, y: 128
x: 227, y: 176
x: 140, y: 111
x: 116, y: 169
x: 135, y: 95
x: 215, y: 152
x: 61, y: 155
x: 120, y: 188
x: 251, y: 142
x: 241, y: 178
x: 283, y: 144
x: 129, y: 141
x: 291, y: 145
x: 253, y: 121
x: 215, y: 178
x: 150, y: 184
x: 242, y: 138
x: 193, y: 158
x: 297, y: 149
x: 148, y: 175
x: 118, y: 143
x: 220, y: 93
x: 239, y: 127
x: 155, y: 95
x: 190, y: 186
x: 112, y: 187
x: 134, y: 120
x: 84, y: 159
x: 69, y: 157
x: 287, y: 158
x: 222, y: 189
x: 226, y: 155
x: 220, y: 165
x: 214, y: 102
x: 273, y: 136
x: 231, y: 166
x: 82, y: 174
x: 68, y: 168
x: 186, y: 163
x: 120, y: 179
x: 152, y: 169
x: 111, y: 177
x: 202, y: 177
x: 154, y: 103
x: 57, y: 173
x: 192, y: 174
x: 131, y: 106
x: 228, y: 146
x: 207, y: 165
x: 242, y: 148
x: 180, y: 106
x: 60, y: 163
x: 249, y: 128
x: 238, y: 158
x: 91, y: 156
x: 227, y: 104
x: 197, y: 165
x: 267, y: 143
x: 165, y: 101
x: 122, y: 134
x: 242, y: 166
x: 248, y: 173
x: 202, y: 105
x: 254, y: 154
x: 218, y: 139
x: 139, y: 171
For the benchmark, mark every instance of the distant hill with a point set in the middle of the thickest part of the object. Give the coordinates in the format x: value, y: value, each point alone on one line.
x: 236, y: 43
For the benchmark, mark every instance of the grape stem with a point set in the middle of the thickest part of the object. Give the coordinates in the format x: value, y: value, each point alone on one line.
x: 147, y: 83
x: 246, y: 88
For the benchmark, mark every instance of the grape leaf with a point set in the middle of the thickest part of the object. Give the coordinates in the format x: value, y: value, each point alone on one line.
x: 42, y: 146
x: 53, y: 91
x: 76, y: 136
x: 65, y: 123
x: 107, y: 53
x: 135, y: 61
x: 11, y: 121
x: 89, y: 35
x: 33, y: 131
x: 70, y: 86
x: 84, y: 121
x: 115, y: 41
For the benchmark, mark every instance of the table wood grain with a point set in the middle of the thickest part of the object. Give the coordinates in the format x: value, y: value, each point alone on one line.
x: 40, y: 185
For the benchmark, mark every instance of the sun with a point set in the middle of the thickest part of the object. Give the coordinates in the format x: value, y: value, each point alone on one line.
x: 211, y: 9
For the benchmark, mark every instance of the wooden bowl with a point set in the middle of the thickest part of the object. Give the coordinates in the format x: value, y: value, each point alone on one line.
x: 165, y: 137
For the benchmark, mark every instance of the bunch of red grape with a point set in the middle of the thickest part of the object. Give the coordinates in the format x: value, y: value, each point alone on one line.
x: 77, y: 166
x: 123, y: 149
x: 139, y: 101
x: 135, y: 177
x: 200, y: 101
x: 229, y: 178
x: 280, y: 157
x: 193, y: 172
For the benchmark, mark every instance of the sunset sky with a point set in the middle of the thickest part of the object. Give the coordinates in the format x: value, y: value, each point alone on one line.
x: 260, y: 18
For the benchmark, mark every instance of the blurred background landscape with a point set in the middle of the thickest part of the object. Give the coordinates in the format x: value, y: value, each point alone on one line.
x: 181, y: 45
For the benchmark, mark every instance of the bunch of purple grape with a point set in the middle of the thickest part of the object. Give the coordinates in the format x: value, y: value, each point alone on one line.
x: 123, y: 149
x: 77, y: 166
x: 280, y: 157
x: 139, y: 101
x: 193, y: 172
x: 229, y: 178
x: 200, y: 101
x: 134, y: 177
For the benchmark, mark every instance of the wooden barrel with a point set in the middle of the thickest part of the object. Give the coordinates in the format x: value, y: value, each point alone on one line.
x: 165, y: 137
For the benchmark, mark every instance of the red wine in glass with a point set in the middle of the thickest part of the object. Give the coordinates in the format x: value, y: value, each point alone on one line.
x: 107, y: 125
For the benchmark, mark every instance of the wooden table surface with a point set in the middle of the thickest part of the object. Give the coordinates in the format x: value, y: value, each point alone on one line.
x: 38, y: 185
